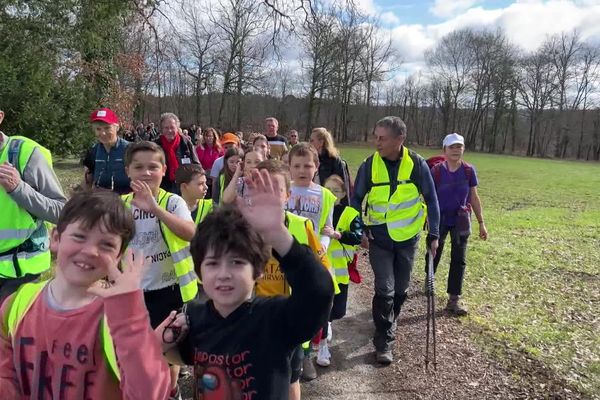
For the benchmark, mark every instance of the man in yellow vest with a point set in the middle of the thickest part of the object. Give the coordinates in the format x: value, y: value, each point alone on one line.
x: 29, y: 195
x: 400, y: 195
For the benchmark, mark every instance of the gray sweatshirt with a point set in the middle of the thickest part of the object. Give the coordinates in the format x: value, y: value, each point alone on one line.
x: 39, y: 192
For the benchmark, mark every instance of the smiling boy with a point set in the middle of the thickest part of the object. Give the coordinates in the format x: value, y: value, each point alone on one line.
x: 164, y: 227
x: 54, y: 339
x: 241, y: 345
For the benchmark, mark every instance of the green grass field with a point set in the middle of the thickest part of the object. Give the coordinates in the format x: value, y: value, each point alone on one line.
x: 534, y: 286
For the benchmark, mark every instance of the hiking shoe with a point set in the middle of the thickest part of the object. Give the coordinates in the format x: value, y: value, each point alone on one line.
x: 323, y: 356
x: 385, y: 357
x: 309, y: 372
x: 175, y: 394
x: 455, y: 306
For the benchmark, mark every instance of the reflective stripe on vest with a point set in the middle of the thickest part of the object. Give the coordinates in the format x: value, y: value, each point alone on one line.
x: 402, y: 211
x: 22, y: 301
x: 341, y: 254
x: 24, y: 243
x: 180, y: 252
x: 204, y: 208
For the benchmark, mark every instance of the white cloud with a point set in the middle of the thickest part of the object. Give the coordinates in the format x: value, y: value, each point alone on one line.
x: 389, y: 18
x: 449, y: 8
x: 527, y: 23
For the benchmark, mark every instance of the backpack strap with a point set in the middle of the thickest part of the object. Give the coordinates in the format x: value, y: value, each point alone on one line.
x: 14, y: 150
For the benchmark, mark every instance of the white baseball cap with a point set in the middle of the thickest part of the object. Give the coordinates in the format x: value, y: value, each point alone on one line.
x: 453, y: 138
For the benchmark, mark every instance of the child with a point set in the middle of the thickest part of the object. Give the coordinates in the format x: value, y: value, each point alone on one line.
x: 314, y: 202
x: 241, y: 345
x: 272, y: 282
x: 260, y: 143
x: 164, y: 228
x: 309, y: 199
x: 55, y: 340
x: 344, y: 241
x: 233, y: 157
x: 192, y: 182
x: 237, y: 186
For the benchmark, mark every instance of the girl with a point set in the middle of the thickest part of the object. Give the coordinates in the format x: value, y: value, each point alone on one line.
x: 344, y: 241
x: 236, y: 186
x: 232, y: 159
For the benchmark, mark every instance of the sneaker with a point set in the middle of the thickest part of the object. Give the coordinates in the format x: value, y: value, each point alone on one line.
x: 329, y: 332
x: 385, y: 357
x: 455, y: 306
x: 323, y: 356
x: 309, y: 372
x: 175, y: 394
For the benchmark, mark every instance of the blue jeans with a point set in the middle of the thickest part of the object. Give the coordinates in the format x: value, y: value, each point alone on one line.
x: 392, y: 268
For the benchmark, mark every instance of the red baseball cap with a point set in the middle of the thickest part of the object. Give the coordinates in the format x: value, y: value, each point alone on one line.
x: 104, y: 115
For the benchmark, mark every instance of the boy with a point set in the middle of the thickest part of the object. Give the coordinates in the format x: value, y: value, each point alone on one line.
x: 55, y: 341
x: 240, y: 345
x: 191, y: 179
x: 309, y: 199
x: 164, y: 228
x: 272, y: 282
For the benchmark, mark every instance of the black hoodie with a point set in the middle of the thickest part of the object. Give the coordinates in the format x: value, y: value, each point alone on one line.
x: 247, y: 354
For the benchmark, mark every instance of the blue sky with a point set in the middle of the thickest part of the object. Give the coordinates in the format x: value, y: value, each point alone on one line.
x: 416, y: 26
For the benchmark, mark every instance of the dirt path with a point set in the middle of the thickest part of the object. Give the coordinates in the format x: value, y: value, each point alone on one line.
x: 464, y: 371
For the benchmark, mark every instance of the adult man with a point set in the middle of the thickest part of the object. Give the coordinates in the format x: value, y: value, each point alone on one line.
x: 293, y: 137
x: 394, y: 179
x: 228, y: 141
x: 278, y: 143
x: 29, y: 195
x: 103, y: 163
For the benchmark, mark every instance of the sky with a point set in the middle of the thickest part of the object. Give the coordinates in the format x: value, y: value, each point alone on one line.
x: 416, y: 26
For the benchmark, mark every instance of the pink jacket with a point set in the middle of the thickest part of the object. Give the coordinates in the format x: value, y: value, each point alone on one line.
x: 207, y: 156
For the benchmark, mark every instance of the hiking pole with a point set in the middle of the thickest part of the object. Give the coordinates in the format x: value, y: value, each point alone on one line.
x: 431, y: 331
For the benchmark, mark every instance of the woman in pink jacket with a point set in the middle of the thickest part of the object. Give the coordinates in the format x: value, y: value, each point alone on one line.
x: 210, y: 150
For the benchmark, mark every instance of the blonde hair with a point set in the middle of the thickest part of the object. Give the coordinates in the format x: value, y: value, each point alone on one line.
x: 336, y: 179
x: 328, y: 144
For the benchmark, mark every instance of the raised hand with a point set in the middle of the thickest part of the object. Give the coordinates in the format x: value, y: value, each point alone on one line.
x: 263, y: 209
x: 143, y: 197
x: 121, y: 282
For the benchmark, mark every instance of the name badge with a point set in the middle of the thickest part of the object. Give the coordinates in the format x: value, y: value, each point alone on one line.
x: 186, y: 160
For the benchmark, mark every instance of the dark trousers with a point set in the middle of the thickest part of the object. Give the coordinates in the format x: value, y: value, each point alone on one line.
x: 9, y: 286
x: 391, y: 268
x: 458, y: 258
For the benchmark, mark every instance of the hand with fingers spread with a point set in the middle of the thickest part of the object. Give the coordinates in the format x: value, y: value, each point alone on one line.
x: 263, y: 209
x: 143, y: 197
x: 122, y: 282
x: 9, y: 177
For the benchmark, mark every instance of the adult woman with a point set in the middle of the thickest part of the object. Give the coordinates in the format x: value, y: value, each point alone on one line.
x: 456, y: 187
x: 178, y: 149
x: 103, y: 163
x: 210, y: 149
x: 330, y: 162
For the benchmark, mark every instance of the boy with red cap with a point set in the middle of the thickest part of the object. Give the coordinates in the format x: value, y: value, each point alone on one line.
x: 228, y: 141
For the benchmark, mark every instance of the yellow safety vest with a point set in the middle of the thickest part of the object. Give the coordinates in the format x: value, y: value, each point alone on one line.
x: 403, y: 211
x: 205, y: 206
x: 24, y: 242
x: 327, y: 202
x: 179, y: 249
x: 342, y: 254
x: 22, y: 301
